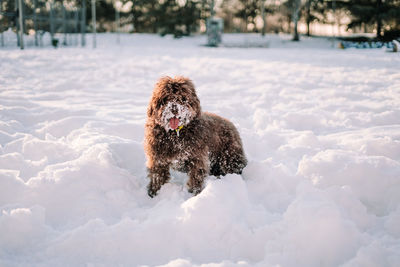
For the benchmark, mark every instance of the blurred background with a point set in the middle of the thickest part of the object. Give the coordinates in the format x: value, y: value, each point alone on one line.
x: 376, y: 20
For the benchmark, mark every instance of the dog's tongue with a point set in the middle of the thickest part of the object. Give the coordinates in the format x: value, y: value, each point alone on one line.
x: 174, y: 123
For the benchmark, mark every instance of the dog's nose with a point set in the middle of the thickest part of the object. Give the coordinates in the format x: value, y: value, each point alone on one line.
x: 174, y: 109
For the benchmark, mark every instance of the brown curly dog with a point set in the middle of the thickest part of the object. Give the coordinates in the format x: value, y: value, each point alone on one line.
x: 179, y: 135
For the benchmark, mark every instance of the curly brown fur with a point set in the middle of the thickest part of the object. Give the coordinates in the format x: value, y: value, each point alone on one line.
x: 207, y: 144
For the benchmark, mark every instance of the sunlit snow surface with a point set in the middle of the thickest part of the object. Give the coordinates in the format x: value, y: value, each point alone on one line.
x: 320, y: 127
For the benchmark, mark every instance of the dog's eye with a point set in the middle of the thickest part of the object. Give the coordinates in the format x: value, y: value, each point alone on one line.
x: 162, y: 102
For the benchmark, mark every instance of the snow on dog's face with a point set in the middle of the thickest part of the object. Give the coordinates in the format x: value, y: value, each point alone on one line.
x: 174, y: 103
x: 175, y: 115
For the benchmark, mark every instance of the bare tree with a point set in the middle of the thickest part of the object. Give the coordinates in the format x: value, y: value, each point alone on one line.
x: 296, y: 16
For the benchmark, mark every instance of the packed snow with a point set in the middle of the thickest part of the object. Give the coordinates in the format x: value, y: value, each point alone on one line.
x: 320, y: 127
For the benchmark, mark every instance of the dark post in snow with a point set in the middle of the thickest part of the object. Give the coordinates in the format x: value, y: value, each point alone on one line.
x: 83, y: 23
x: 94, y: 22
x: 378, y: 19
x: 296, y: 11
x: 21, y: 23
x: 15, y: 18
x: 308, y: 16
x: 263, y: 17
x: 1, y: 28
x: 35, y: 22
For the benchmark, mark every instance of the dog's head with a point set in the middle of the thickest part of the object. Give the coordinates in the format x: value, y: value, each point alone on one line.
x: 174, y: 103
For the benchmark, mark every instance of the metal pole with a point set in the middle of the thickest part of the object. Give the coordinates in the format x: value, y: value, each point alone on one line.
x: 83, y: 23
x: 117, y: 22
x: 35, y: 22
x: 94, y: 22
x: 21, y: 24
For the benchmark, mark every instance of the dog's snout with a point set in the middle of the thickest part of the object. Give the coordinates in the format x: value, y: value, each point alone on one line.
x: 174, y: 109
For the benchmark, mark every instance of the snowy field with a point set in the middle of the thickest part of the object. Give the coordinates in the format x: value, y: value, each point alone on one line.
x: 320, y: 127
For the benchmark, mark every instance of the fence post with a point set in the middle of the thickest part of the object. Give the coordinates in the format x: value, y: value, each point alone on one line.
x: 35, y: 22
x: 21, y: 23
x: 83, y: 23
x: 94, y: 22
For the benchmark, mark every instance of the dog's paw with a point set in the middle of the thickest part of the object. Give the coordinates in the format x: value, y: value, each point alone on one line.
x: 152, y: 190
x: 195, y: 190
x: 151, y: 193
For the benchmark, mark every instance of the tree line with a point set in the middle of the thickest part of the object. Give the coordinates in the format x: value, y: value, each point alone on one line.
x: 184, y: 17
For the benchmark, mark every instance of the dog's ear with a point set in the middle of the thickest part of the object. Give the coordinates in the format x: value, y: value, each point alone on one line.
x: 160, y: 85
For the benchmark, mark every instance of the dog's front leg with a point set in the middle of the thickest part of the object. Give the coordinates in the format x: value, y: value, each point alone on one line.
x: 197, y: 172
x: 158, y: 176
